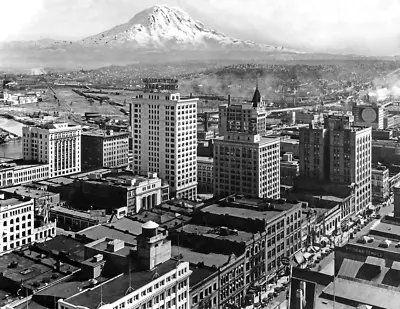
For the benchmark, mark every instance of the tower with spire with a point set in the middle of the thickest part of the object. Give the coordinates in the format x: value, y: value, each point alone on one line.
x: 246, y: 117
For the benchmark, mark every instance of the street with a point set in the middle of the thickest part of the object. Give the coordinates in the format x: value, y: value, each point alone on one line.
x: 326, y: 266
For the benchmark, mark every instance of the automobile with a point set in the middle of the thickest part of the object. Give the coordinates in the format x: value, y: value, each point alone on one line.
x: 276, y: 294
x: 378, y: 216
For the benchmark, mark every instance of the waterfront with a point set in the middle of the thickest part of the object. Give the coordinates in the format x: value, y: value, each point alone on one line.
x: 12, y: 149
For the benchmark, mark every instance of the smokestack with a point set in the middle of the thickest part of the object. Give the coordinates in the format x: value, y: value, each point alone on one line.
x: 191, y: 95
x: 229, y: 99
x: 205, y: 121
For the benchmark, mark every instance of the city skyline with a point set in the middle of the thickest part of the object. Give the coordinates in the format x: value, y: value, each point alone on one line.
x: 362, y: 27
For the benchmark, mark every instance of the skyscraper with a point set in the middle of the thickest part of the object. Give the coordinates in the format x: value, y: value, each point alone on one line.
x: 243, y: 117
x: 338, y: 152
x: 164, y: 138
x: 247, y: 164
x: 57, y: 144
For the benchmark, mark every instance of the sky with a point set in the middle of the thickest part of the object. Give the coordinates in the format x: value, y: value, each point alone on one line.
x: 369, y: 27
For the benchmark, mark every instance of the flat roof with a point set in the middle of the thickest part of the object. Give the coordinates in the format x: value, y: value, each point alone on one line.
x: 363, y: 292
x: 101, y: 231
x: 102, y: 246
x: 10, y: 201
x: 126, y: 224
x: 115, y: 289
x: 211, y: 232
x: 199, y: 274
x: 193, y: 257
x: 74, y: 247
x: 376, y: 242
x: 103, y: 133
x: 205, y: 159
x: 28, y: 191
x: 75, y: 212
x: 237, y: 210
x: 29, y: 271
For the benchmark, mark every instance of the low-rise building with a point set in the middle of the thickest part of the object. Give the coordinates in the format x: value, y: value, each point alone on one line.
x: 41, y: 198
x: 119, y: 189
x: 77, y: 220
x: 104, y: 149
x: 205, y: 177
x: 152, y: 280
x: 17, y: 172
x: 264, y: 230
x: 19, y: 225
x: 289, y: 169
x: 380, y: 183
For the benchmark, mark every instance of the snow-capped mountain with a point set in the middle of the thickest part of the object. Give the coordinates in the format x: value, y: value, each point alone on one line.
x: 169, y: 28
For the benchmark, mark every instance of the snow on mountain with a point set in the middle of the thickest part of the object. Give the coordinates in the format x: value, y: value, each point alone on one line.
x: 168, y: 28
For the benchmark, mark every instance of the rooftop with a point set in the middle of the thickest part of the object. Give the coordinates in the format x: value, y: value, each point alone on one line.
x: 127, y: 224
x: 33, y: 269
x: 238, y: 236
x: 115, y: 289
x: 102, y: 246
x: 77, y: 213
x: 28, y: 191
x: 199, y: 274
x: 376, y: 242
x: 101, y: 231
x: 193, y: 257
x: 205, y: 159
x: 256, y: 209
x: 362, y: 292
x: 103, y: 133
x: 74, y: 248
x: 11, y: 201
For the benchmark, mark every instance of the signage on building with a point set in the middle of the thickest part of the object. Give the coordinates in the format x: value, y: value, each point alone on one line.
x: 364, y: 251
x: 285, y: 261
x: 368, y: 114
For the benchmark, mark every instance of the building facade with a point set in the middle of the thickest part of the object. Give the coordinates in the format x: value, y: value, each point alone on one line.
x: 18, y: 224
x: 164, y: 133
x: 104, y: 149
x: 289, y: 169
x: 380, y: 183
x: 157, y: 282
x: 58, y: 145
x: 112, y: 191
x: 244, y: 117
x: 247, y: 164
x: 205, y: 174
x: 12, y: 174
x: 338, y: 153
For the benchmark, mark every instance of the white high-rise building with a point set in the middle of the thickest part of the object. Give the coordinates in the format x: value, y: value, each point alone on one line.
x: 164, y: 139
x: 57, y: 144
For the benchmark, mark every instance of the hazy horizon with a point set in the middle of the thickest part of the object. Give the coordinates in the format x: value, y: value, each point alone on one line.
x: 365, y: 27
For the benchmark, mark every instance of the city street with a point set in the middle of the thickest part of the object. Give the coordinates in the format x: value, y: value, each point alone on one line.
x: 326, y: 266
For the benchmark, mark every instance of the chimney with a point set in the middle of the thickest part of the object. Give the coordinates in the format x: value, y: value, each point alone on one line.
x: 229, y: 99
x: 205, y: 121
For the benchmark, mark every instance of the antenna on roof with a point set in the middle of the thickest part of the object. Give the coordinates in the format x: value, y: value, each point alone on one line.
x: 130, y: 288
x: 101, y: 297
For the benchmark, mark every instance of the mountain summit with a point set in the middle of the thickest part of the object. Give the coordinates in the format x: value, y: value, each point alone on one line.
x: 169, y: 28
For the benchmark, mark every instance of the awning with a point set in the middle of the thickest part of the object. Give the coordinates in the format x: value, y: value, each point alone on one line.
x: 307, y: 255
x: 299, y: 258
x: 371, y: 207
x: 375, y: 261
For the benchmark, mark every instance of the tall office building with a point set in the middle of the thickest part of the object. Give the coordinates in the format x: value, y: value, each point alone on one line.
x: 338, y: 152
x: 247, y: 164
x: 57, y: 144
x: 243, y: 117
x: 104, y: 149
x: 164, y: 138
